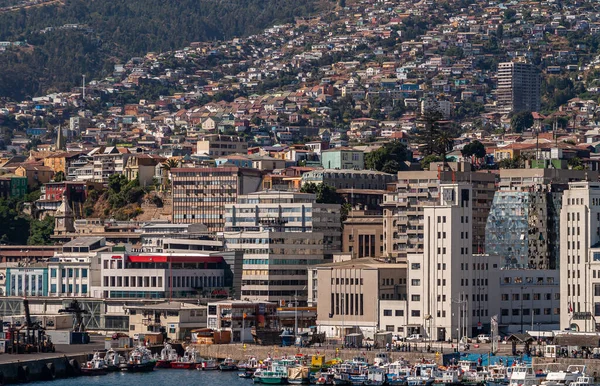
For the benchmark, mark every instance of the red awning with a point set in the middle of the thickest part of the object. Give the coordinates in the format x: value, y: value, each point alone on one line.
x: 175, y: 259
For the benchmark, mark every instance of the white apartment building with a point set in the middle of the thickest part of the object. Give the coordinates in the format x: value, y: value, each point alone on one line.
x: 439, y: 280
x: 281, y: 235
x: 111, y: 161
x: 75, y: 270
x: 580, y: 257
x: 167, y: 275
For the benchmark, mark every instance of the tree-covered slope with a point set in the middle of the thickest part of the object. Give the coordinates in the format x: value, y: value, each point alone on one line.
x: 121, y: 29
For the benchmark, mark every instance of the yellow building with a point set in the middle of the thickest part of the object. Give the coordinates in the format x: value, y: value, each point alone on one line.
x: 37, y: 175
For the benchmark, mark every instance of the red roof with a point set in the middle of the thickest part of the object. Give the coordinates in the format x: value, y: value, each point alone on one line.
x: 175, y: 259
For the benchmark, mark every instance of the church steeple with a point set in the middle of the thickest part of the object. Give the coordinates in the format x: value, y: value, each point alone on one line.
x: 64, y: 219
x: 60, y: 139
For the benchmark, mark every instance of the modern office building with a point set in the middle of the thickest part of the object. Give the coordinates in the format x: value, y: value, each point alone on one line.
x: 519, y: 87
x: 523, y: 225
x: 200, y: 194
x: 281, y: 234
x: 403, y: 231
x: 580, y: 257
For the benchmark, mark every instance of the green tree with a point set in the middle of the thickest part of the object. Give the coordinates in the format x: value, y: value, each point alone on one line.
x: 521, y: 121
x: 576, y: 163
x: 475, y: 149
x: 388, y: 158
x: 59, y: 176
x: 427, y: 160
x: 40, y: 231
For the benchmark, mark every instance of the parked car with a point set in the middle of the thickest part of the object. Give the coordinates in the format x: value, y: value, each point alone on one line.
x: 483, y: 338
x: 415, y: 338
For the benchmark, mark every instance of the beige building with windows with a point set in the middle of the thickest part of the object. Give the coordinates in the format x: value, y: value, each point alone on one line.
x: 217, y: 145
x: 348, y: 294
x: 177, y: 319
x: 580, y: 257
x: 403, y: 226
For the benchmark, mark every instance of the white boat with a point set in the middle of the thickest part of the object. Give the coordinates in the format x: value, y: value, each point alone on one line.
x: 448, y: 377
x: 398, y: 372
x: 113, y: 360
x: 523, y: 375
x: 423, y: 374
x: 584, y: 380
x: 381, y: 359
x: 562, y: 377
x: 498, y: 375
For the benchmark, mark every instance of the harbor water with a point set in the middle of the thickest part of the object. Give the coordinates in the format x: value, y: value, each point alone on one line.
x: 158, y: 377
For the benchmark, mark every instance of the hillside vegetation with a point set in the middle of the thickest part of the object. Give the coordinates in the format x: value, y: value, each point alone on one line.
x: 117, y: 30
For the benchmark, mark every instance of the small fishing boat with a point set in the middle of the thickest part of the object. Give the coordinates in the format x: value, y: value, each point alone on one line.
x: 208, y: 365
x: 140, y: 360
x: 584, y: 380
x: 97, y: 366
x: 228, y: 365
x: 276, y: 374
x: 113, y: 360
x: 188, y: 361
x: 325, y: 378
x: 167, y: 355
x: 376, y: 377
x: 523, y: 375
x: 564, y: 378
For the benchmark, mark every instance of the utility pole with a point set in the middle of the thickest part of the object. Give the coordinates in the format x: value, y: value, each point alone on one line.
x: 296, y: 315
x: 83, y: 88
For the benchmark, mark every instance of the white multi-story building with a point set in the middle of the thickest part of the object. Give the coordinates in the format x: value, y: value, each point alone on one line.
x: 439, y: 280
x: 281, y: 234
x: 75, y: 270
x: 580, y: 257
x: 166, y: 275
x: 111, y: 161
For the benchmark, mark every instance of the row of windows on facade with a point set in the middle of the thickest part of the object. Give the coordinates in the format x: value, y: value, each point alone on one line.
x: 347, y: 304
x: 273, y: 272
x: 527, y: 312
x: 70, y: 288
x: 527, y: 280
x: 274, y: 282
x: 442, y: 251
x: 279, y: 293
x: 69, y: 272
x: 157, y: 282
x: 440, y: 314
x: 282, y: 261
x: 292, y: 240
x: 535, y: 296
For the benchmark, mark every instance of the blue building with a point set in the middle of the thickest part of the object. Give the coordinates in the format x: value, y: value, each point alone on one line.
x: 23, y: 281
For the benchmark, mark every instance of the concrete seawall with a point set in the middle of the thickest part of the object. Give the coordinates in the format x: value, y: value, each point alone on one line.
x: 238, y: 352
x: 42, y: 368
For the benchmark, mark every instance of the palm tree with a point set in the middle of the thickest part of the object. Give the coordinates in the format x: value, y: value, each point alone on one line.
x: 167, y: 166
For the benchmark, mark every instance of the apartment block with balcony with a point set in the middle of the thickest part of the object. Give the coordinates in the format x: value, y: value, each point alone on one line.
x: 108, y: 162
x: 201, y: 194
x: 403, y: 215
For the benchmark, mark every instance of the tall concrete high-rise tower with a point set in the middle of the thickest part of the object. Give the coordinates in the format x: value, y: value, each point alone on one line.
x: 519, y: 87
